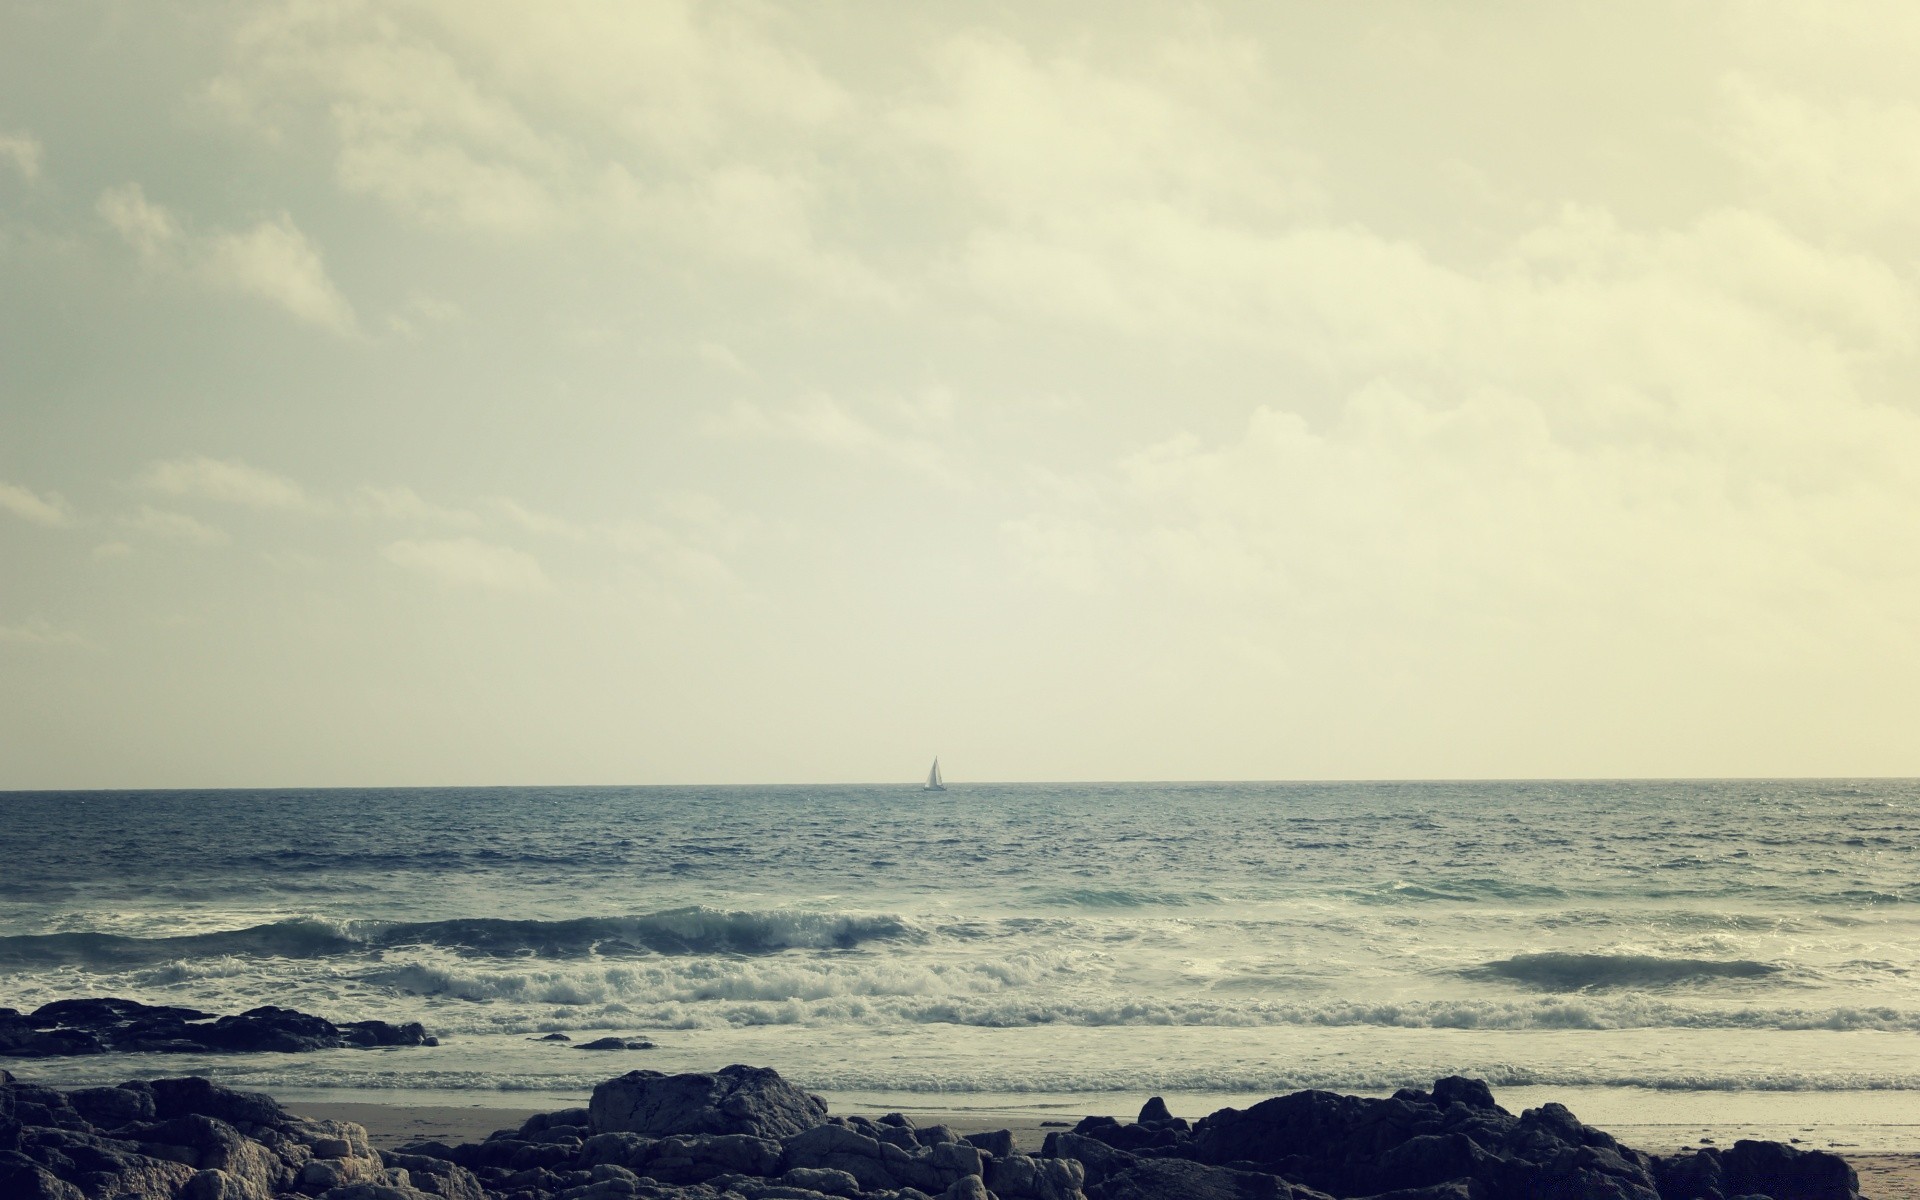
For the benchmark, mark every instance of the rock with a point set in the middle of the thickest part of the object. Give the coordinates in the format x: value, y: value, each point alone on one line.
x: 218, y: 1185
x: 26, y: 1180
x: 1459, y: 1189
x: 614, y: 1043
x: 1018, y: 1177
x: 998, y: 1142
x: 1457, y: 1089
x: 822, y: 1179
x: 1154, y: 1111
x: 970, y: 1188
x: 552, y: 1037
x: 1098, y: 1160
x: 838, y: 1148
x: 1785, y: 1173
x: 449, y: 1181
x: 736, y: 1099
x: 112, y: 1107
x: 114, y: 1025
x: 1179, y: 1179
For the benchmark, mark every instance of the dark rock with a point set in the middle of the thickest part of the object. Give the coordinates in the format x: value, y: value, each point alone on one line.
x: 614, y: 1043
x: 112, y: 1107
x: 1100, y: 1160
x: 1457, y: 1089
x: 552, y: 1037
x: 1154, y: 1112
x: 998, y: 1142
x: 736, y: 1099
x: 1179, y: 1179
x: 1781, y: 1171
x: 1018, y: 1177
x: 113, y: 1025
x: 24, y: 1179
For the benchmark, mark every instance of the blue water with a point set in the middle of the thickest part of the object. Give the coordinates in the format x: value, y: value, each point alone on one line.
x: 1008, y: 938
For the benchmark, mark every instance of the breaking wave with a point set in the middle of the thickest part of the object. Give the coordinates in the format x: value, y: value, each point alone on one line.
x: 675, y: 931
x: 1579, y: 972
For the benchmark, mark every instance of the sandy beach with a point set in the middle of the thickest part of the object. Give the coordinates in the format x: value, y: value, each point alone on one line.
x: 1883, y: 1176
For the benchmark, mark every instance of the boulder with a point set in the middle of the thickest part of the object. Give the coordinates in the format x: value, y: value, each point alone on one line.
x: 1018, y: 1177
x: 114, y: 1025
x: 736, y: 1099
x: 1098, y: 1160
x: 1181, y: 1179
x: 997, y: 1142
x: 1786, y: 1172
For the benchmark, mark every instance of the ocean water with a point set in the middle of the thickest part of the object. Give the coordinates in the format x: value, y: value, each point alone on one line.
x: 1020, y: 940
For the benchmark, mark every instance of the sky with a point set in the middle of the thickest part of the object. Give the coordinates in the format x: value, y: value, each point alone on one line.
x: 473, y: 392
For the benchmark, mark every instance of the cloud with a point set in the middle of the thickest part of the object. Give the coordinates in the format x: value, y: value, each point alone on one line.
x: 470, y: 562
x: 822, y: 421
x: 24, y: 153
x: 38, y: 634
x: 405, y: 504
x: 684, y: 125
x: 49, y: 510
x: 173, y: 526
x: 226, y: 481
x: 275, y: 262
x: 272, y: 261
x: 146, y: 226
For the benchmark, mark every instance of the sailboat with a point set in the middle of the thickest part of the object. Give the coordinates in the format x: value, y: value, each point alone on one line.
x: 933, y: 777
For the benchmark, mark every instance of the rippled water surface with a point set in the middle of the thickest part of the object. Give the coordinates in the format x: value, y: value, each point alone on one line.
x: 1008, y: 938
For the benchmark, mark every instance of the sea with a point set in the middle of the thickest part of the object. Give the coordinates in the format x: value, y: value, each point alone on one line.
x: 1703, y: 955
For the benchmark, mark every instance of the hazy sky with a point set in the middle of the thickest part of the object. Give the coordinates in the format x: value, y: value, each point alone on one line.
x: 464, y: 391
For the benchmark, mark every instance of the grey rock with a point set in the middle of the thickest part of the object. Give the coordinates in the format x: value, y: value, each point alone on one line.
x: 970, y: 1188
x: 998, y: 1142
x: 1096, y: 1158
x: 822, y: 1179
x: 1179, y: 1179
x: 736, y: 1099
x: 1018, y: 1177
x: 218, y: 1185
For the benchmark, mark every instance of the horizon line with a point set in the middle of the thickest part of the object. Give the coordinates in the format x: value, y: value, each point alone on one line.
x: 912, y: 785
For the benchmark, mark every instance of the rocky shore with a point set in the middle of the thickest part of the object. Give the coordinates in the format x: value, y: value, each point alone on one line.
x: 743, y: 1133
x: 113, y: 1026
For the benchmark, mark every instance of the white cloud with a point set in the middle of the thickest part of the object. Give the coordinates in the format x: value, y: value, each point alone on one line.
x: 174, y: 526
x: 272, y: 261
x: 39, y: 634
x: 824, y: 422
x: 227, y: 481
x: 470, y: 562
x: 275, y: 262
x: 108, y: 551
x: 405, y: 504
x: 146, y: 226
x: 421, y: 313
x: 683, y: 126
x: 29, y: 505
x: 25, y: 154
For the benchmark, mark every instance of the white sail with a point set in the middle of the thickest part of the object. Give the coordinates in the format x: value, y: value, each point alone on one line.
x: 933, y: 778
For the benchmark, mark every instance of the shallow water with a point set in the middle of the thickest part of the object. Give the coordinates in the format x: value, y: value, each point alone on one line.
x: 1008, y: 939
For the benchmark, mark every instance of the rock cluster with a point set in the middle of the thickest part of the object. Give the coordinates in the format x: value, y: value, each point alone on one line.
x: 188, y: 1139
x: 110, y: 1026
x: 1453, y: 1143
x: 744, y: 1133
